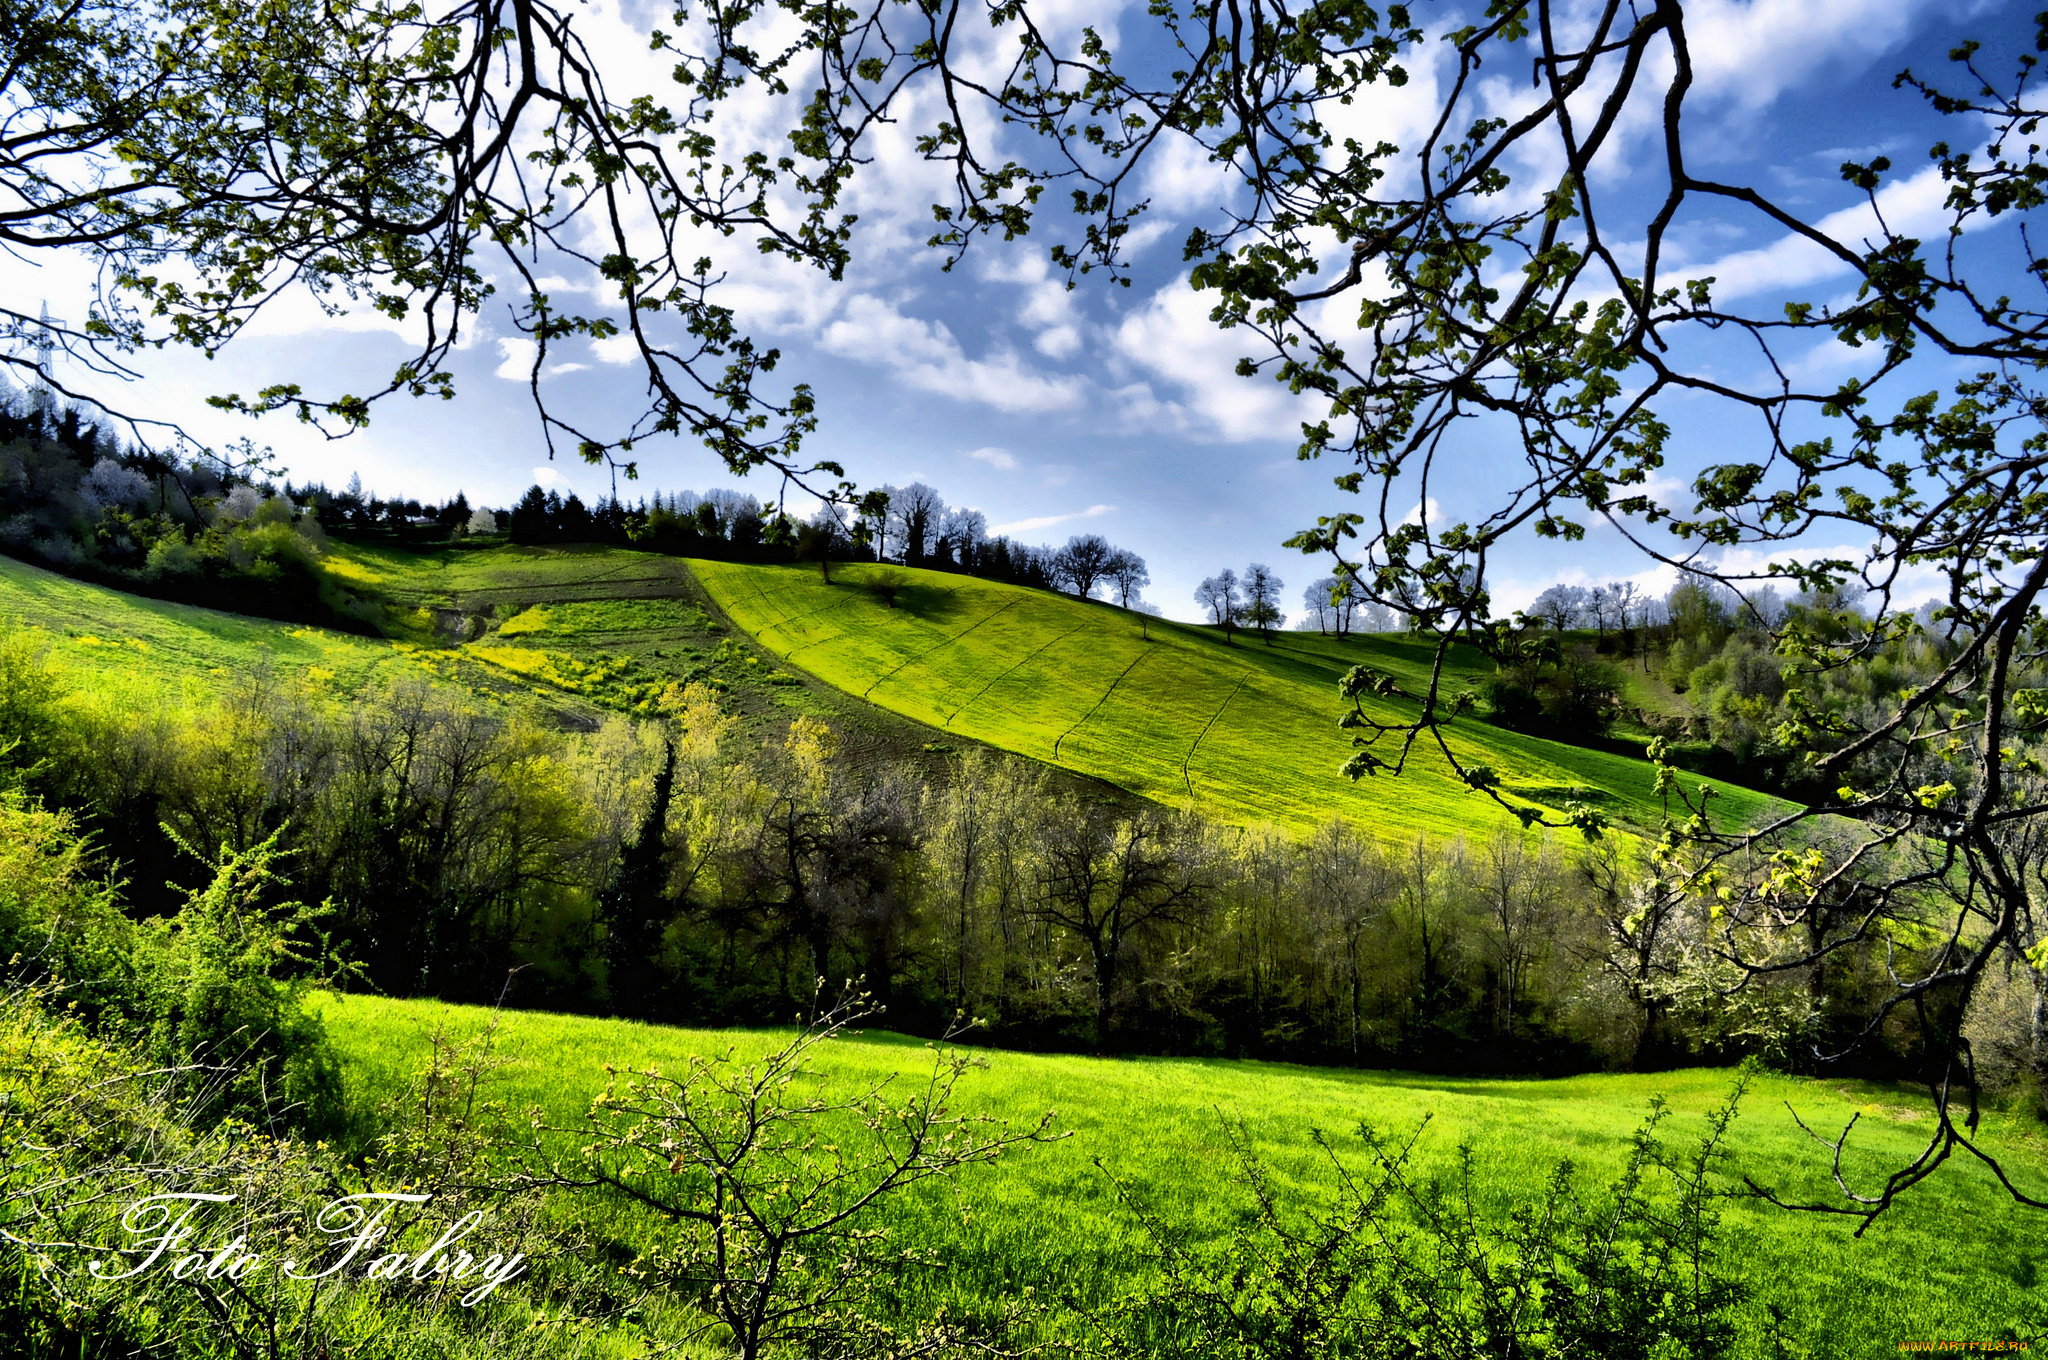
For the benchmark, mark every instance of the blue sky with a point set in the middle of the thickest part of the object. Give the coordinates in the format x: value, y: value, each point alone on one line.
x: 1106, y: 409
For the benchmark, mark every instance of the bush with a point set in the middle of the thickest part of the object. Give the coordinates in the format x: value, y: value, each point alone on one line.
x: 218, y: 987
x: 885, y: 584
x: 1569, y: 693
x: 1390, y: 1265
x: 224, y: 982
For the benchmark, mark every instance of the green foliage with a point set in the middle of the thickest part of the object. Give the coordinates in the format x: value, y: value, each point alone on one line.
x: 216, y: 989
x: 222, y: 983
x: 56, y: 918
x: 1563, y: 692
x: 1385, y: 1264
x: 90, y: 1127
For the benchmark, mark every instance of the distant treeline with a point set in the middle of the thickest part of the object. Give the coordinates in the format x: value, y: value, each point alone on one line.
x: 1706, y: 661
x: 219, y: 531
x: 680, y: 870
x: 916, y: 528
x: 205, y: 531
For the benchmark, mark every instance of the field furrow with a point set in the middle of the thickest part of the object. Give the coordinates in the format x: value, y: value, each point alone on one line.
x: 1060, y: 680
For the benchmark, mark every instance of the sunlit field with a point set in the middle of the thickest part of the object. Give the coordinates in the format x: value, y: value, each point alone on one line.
x: 1246, y: 733
x: 129, y: 646
x: 1045, y: 1216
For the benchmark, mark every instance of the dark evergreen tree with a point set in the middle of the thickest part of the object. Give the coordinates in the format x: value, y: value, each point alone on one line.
x: 455, y: 514
x: 573, y: 524
x: 531, y: 521
x: 636, y: 908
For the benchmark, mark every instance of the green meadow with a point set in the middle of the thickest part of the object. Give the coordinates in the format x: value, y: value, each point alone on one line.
x: 1956, y: 1260
x: 1246, y: 733
x: 563, y: 661
x: 125, y: 645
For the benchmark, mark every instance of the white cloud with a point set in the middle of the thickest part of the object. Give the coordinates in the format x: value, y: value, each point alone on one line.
x: 925, y: 355
x: 518, y: 359
x: 1061, y: 342
x: 1911, y: 207
x: 1173, y: 336
x: 549, y: 477
x: 995, y: 457
x: 1753, y: 52
x: 1025, y: 526
x: 1427, y: 512
x: 622, y: 348
x: 1912, y: 584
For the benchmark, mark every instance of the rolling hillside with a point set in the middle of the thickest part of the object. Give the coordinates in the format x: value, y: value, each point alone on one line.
x: 1169, y: 712
x: 1245, y: 733
x: 130, y: 647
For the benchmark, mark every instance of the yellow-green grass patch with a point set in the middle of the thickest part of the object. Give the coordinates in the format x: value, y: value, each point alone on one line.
x: 1246, y: 733
x: 120, y: 644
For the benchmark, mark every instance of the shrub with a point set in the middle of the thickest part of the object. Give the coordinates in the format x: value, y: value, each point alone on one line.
x: 885, y: 584
x: 223, y: 982
x: 1390, y: 1265
x: 220, y: 984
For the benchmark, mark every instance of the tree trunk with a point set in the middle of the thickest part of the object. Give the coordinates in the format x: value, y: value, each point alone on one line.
x: 1357, y: 995
x: 1105, y: 990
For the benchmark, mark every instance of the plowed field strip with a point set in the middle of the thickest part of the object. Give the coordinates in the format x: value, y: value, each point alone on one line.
x: 999, y: 679
x: 1103, y: 700
x: 941, y: 647
x: 1242, y: 681
x: 793, y: 618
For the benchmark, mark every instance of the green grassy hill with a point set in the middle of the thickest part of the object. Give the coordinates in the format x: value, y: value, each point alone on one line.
x: 1050, y: 1219
x: 1169, y: 712
x: 562, y: 635
x: 129, y: 647
x: 1245, y: 733
x: 607, y: 628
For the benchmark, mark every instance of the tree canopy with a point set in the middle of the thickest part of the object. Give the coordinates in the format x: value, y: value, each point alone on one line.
x: 211, y: 154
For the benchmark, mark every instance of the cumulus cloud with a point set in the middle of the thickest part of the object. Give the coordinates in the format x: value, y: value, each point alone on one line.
x: 517, y: 356
x: 1751, y: 52
x: 995, y: 457
x: 1911, y: 207
x: 925, y: 355
x: 516, y: 361
x: 1173, y: 337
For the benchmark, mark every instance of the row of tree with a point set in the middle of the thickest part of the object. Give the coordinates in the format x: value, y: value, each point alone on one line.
x: 403, y: 520
x: 210, y: 530
x: 1251, y: 601
x: 911, y: 525
x: 682, y: 870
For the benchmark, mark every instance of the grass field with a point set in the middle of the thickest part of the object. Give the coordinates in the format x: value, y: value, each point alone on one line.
x: 129, y: 646
x: 610, y: 628
x: 1245, y: 733
x: 1956, y: 1261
